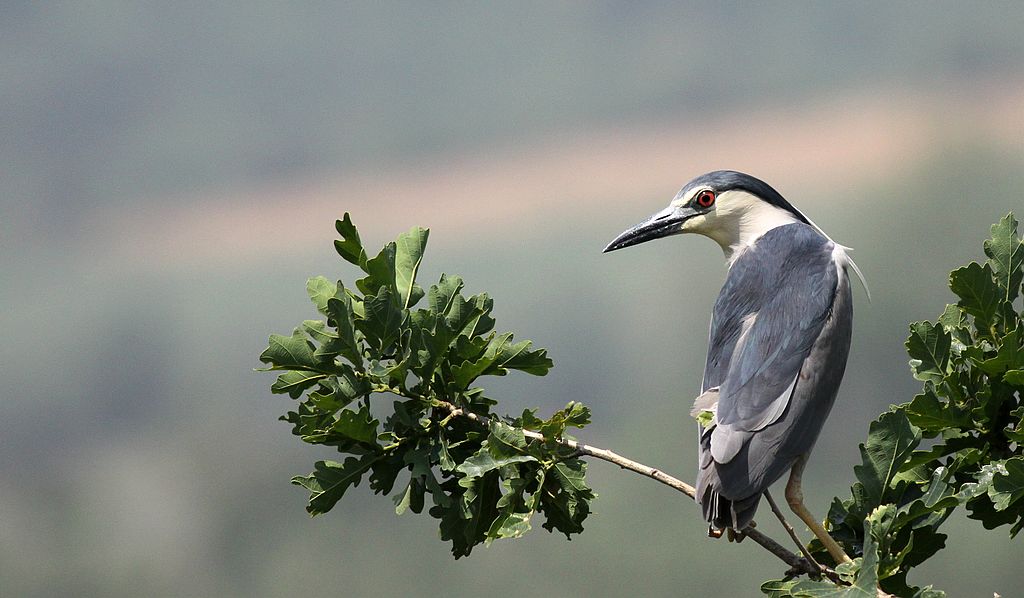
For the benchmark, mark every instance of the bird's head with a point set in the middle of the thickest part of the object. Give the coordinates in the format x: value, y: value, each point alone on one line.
x: 730, y: 207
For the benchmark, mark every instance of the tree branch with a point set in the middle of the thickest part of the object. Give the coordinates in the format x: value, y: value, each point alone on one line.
x: 797, y: 563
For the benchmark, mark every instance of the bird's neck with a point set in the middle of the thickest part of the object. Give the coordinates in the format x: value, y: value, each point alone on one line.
x: 742, y: 220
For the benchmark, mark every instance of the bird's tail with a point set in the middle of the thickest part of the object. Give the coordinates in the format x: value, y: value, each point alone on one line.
x: 720, y: 512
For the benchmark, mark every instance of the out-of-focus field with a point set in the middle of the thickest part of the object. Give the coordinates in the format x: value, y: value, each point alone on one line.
x: 173, y: 180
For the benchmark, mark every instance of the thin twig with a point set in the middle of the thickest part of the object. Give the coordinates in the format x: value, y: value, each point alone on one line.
x: 796, y: 562
x: 789, y: 528
x: 792, y: 534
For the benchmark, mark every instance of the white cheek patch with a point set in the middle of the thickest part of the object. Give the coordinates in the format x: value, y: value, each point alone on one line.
x: 695, y: 224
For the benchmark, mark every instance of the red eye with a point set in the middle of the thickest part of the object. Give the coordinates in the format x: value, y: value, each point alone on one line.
x: 705, y: 199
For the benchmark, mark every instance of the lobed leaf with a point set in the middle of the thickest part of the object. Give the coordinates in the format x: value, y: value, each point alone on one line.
x: 320, y: 290
x: 1005, y: 251
x: 891, y: 439
x: 512, y: 524
x: 380, y: 272
x: 383, y: 323
x: 1014, y: 377
x: 337, y: 392
x: 927, y: 412
x: 574, y: 414
x: 1007, y: 484
x: 412, y: 498
x: 330, y: 480
x: 485, y: 461
x: 928, y: 346
x: 293, y: 352
x: 440, y: 295
x: 566, y: 503
x: 349, y: 246
x: 408, y: 256
x: 979, y: 294
x: 341, y: 313
x: 295, y: 382
x: 359, y: 425
x: 1010, y: 355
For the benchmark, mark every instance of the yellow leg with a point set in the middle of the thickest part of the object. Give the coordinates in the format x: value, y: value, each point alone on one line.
x: 795, y: 498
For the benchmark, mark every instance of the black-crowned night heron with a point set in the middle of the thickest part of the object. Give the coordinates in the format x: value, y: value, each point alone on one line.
x: 780, y: 336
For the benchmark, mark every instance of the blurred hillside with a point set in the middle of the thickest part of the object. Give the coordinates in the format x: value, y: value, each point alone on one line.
x: 171, y: 177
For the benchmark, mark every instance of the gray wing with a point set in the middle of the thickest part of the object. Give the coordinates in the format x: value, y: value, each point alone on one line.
x: 772, y: 308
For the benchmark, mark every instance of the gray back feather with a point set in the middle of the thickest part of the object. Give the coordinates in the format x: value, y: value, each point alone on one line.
x: 777, y: 351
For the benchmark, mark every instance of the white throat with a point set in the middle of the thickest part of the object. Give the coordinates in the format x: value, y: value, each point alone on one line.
x: 738, y: 220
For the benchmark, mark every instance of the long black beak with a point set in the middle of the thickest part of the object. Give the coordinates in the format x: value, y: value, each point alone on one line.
x: 663, y: 224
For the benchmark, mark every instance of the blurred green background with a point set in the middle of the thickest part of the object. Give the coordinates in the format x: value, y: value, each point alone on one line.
x: 170, y: 177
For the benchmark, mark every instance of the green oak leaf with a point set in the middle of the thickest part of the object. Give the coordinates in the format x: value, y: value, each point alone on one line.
x: 330, y: 480
x: 932, y: 415
x: 484, y: 461
x: 778, y: 588
x: 505, y: 440
x: 411, y: 498
x: 341, y: 314
x: 513, y: 524
x: 979, y: 294
x: 467, y: 522
x: 440, y: 295
x: 520, y: 499
x: 952, y: 318
x: 891, y: 439
x: 421, y: 462
x: 465, y: 374
x: 484, y: 323
x: 566, y: 502
x: 574, y: 414
x: 705, y: 417
x: 1009, y: 356
x: 924, y: 543
x: 529, y: 420
x: 383, y: 323
x: 320, y: 290
x: 931, y: 508
x: 294, y: 383
x: 500, y: 356
x: 293, y: 352
x: 531, y: 362
x: 928, y: 346
x: 1007, y: 484
x: 349, y: 246
x: 438, y: 335
x: 462, y: 315
x: 408, y: 256
x: 385, y: 472
x: 380, y: 272
x: 1005, y: 251
x: 357, y: 425
x: 318, y: 331
x: 444, y: 457
x: 337, y: 392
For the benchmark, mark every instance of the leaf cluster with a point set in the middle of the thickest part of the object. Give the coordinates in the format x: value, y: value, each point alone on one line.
x: 960, y: 443
x: 379, y: 377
